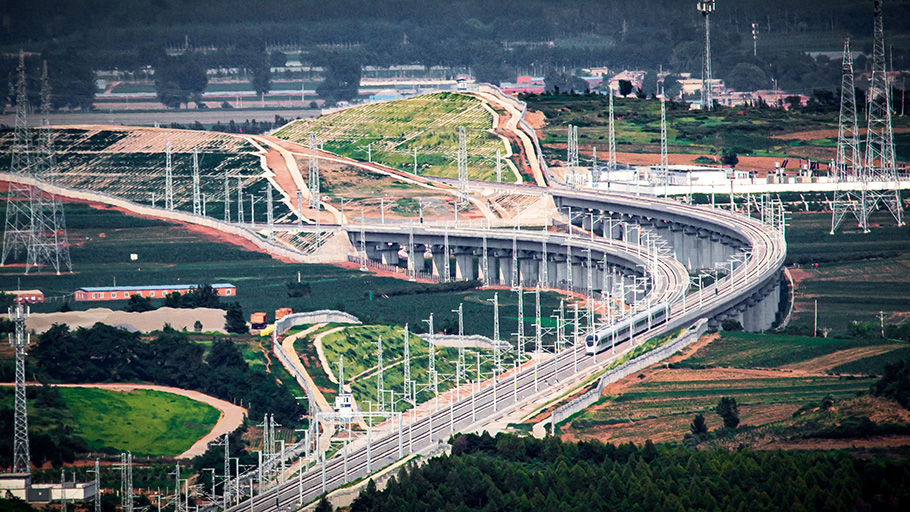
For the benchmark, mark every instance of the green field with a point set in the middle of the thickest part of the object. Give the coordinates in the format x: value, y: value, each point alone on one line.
x: 428, y: 123
x: 747, y: 350
x: 858, y: 274
x: 145, y: 422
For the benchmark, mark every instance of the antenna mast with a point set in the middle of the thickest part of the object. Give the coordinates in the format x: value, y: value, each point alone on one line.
x: 21, y: 454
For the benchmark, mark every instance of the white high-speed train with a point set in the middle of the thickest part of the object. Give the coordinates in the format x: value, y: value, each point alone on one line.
x: 626, y: 328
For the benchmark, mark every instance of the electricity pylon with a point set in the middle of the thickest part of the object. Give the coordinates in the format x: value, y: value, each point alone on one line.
x: 879, y: 135
x: 707, y: 94
x: 848, y: 165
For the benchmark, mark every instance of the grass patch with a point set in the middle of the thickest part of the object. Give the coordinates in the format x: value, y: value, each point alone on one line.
x: 873, y: 365
x: 746, y: 350
x: 428, y: 123
x: 145, y: 422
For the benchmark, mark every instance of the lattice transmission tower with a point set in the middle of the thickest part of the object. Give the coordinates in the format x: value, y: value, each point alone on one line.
x: 848, y: 165
x: 879, y: 162
x: 21, y: 454
x: 707, y: 95
x: 35, y: 222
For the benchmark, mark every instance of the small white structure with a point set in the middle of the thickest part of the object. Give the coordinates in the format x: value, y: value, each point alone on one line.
x: 15, y: 484
x: 344, y: 406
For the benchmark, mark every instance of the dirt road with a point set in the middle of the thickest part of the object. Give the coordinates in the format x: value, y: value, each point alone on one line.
x: 231, y: 415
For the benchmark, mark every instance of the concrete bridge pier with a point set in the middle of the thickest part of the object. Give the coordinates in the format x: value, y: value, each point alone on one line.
x: 528, y: 267
x: 390, y: 254
x: 464, y: 263
x: 439, y: 261
x: 504, y: 259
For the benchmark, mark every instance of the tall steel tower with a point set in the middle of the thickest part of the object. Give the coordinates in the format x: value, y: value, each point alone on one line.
x: 879, y: 161
x: 707, y: 96
x: 34, y: 220
x: 17, y: 230
x: 462, y: 159
x: 314, y: 174
x: 55, y: 249
x: 21, y: 455
x: 848, y: 165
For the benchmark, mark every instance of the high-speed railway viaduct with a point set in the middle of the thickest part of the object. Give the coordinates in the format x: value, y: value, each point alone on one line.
x: 703, y: 238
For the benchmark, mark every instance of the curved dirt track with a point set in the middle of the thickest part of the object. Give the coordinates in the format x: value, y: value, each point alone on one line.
x: 231, y: 415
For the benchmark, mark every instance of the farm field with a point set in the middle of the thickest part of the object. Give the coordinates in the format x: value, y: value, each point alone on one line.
x: 428, y: 123
x: 858, y: 275
x: 145, y: 422
x: 774, y: 379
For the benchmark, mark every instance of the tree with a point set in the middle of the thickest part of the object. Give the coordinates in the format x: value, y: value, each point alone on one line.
x: 262, y: 75
x: 728, y: 411
x: 323, y: 505
x: 698, y: 426
x: 747, y: 77
x: 278, y: 59
x: 342, y: 77
x: 197, y: 326
x: 649, y: 83
x: 234, y: 322
x: 203, y: 296
x: 730, y: 159
x: 563, y: 83
x: 625, y: 88
x: 179, y: 80
x: 72, y: 81
x: 138, y: 304
x: 895, y: 383
x: 731, y: 324
x: 670, y: 86
x: 687, y: 57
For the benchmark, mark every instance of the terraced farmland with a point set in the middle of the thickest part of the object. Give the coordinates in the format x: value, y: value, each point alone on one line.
x: 130, y: 163
x: 428, y: 123
x: 773, y: 378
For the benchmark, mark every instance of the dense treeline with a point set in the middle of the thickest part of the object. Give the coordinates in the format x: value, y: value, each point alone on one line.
x: 524, y: 474
x: 495, y: 39
x: 107, y: 354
